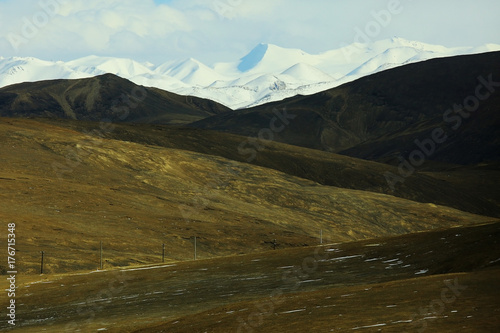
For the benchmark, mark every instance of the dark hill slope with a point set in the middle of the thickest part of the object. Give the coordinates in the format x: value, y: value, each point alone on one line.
x: 380, y: 116
x: 105, y: 97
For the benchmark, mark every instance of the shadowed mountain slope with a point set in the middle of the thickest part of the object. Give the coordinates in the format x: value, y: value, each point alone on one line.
x: 379, y: 117
x: 103, y: 98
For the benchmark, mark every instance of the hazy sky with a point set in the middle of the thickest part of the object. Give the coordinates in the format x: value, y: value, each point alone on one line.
x: 225, y: 30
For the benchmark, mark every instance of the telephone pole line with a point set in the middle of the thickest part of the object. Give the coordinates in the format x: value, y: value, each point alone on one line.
x: 195, y: 248
x: 163, y: 253
x: 41, y: 263
x: 100, y: 256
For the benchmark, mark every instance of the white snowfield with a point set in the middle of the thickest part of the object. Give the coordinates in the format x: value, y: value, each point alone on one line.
x: 268, y: 73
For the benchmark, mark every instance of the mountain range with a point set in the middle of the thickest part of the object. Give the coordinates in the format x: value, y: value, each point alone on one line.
x: 375, y: 202
x: 379, y: 123
x: 268, y: 73
x: 379, y: 117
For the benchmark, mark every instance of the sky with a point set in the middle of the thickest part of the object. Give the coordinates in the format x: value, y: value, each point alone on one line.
x: 212, y: 31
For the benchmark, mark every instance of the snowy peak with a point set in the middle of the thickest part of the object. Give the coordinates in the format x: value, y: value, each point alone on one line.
x: 389, y: 58
x: 269, y: 57
x: 307, y: 73
x: 398, y: 42
x: 401, y: 42
x: 94, y: 65
x: 252, y: 59
x: 193, y: 72
x: 16, y: 70
x: 486, y: 48
x: 179, y: 66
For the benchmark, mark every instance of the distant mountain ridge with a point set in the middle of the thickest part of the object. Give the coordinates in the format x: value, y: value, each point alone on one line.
x: 268, y: 73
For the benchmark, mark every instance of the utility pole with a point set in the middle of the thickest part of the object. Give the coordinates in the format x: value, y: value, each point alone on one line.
x: 41, y: 263
x: 194, y: 247
x: 163, y: 253
x: 100, y: 261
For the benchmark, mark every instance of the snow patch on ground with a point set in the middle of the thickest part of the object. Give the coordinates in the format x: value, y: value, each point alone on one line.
x: 422, y: 271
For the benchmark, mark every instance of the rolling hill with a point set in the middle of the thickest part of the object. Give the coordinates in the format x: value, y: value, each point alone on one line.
x: 102, y: 98
x: 136, y: 196
x: 380, y: 116
x: 471, y: 189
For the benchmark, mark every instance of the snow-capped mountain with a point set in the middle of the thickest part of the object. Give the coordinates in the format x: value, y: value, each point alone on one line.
x: 93, y: 66
x: 268, y: 73
x: 192, y: 72
x: 16, y: 70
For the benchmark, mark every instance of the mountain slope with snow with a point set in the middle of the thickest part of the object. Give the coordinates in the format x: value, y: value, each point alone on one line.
x: 306, y: 73
x: 16, y: 70
x: 106, y: 65
x: 193, y: 72
x: 267, y: 73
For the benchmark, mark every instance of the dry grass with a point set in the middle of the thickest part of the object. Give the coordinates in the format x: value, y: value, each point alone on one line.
x: 340, y: 286
x: 128, y: 195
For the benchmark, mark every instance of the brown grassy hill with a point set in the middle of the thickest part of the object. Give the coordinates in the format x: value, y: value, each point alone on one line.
x: 67, y: 193
x: 102, y: 98
x: 471, y: 189
x: 412, y: 305
x: 379, y: 117
x: 402, y: 282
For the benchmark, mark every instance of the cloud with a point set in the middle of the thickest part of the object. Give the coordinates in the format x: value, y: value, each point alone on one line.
x: 222, y: 30
x: 91, y: 25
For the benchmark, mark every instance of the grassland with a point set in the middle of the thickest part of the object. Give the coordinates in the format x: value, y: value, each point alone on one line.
x: 421, y: 256
x: 441, y: 280
x: 383, y: 257
x: 67, y: 194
